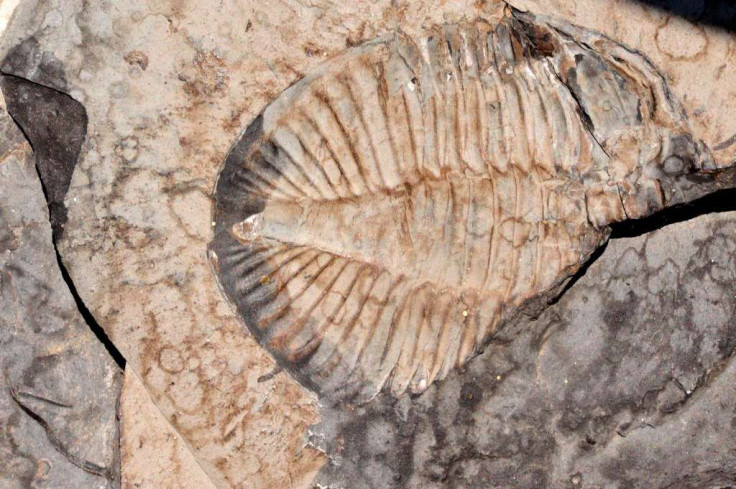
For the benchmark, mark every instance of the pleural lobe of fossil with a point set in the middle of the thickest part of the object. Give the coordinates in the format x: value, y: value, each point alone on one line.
x: 390, y: 211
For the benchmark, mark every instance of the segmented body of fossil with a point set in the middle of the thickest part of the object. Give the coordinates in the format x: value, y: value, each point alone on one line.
x: 387, y: 213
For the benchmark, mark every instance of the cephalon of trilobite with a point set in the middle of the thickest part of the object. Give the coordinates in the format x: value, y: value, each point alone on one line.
x: 389, y: 212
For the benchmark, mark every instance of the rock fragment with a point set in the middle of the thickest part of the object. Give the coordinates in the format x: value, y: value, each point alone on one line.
x: 59, y: 387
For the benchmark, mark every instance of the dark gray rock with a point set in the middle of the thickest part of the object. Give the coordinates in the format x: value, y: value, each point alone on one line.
x: 54, y: 123
x: 628, y: 381
x: 58, y: 386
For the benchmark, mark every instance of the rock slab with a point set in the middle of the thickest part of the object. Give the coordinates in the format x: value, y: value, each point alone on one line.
x: 168, y: 85
x: 59, y: 387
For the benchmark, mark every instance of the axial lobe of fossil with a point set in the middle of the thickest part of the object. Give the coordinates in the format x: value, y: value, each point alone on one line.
x: 387, y: 213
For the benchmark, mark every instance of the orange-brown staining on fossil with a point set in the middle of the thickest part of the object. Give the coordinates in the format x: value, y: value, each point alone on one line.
x: 390, y: 211
x: 170, y: 360
x: 247, y: 230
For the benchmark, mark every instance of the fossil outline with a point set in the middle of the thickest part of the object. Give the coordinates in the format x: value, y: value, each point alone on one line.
x: 514, y: 143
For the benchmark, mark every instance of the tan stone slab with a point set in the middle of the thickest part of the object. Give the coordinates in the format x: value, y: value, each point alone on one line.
x: 153, y: 454
x: 7, y: 7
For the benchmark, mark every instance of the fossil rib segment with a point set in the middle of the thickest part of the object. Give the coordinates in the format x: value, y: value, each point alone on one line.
x: 387, y: 213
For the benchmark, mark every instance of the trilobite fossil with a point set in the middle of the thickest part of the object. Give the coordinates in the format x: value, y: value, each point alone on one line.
x: 387, y: 213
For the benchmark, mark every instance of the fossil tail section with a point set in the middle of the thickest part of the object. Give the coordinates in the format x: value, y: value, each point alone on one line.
x: 628, y: 108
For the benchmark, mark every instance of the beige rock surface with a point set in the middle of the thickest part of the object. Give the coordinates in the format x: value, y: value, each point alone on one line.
x: 168, y: 86
x: 7, y: 7
x: 154, y: 455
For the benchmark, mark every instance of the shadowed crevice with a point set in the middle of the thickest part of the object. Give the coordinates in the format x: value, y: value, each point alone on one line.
x: 720, y: 201
x: 579, y: 274
x: 89, y: 319
x: 715, y: 13
x: 717, y: 202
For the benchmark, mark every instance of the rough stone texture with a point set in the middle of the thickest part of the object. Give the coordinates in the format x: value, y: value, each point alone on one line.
x: 628, y: 381
x: 168, y: 85
x: 59, y: 388
x: 7, y: 8
x: 153, y: 455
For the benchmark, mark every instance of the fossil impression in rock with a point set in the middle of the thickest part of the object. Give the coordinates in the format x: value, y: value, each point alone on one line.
x: 390, y: 211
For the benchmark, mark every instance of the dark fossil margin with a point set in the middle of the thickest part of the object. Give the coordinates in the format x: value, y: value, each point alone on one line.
x: 230, y: 206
